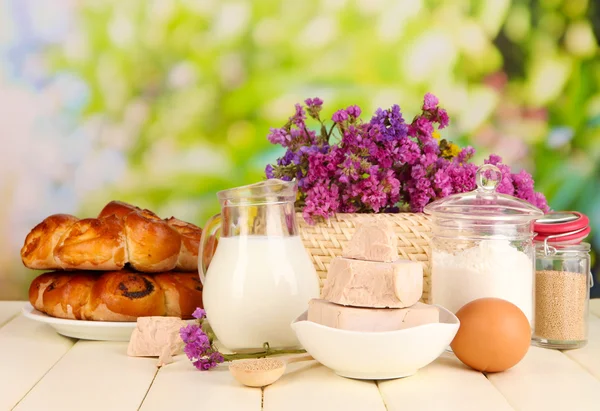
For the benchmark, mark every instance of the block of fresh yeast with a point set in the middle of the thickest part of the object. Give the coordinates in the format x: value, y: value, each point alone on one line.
x: 374, y: 241
x: 373, y: 284
x: 370, y: 319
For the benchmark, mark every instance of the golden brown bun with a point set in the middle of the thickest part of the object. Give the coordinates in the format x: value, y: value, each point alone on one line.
x: 67, y: 296
x: 116, y: 295
x: 190, y: 242
x: 117, y: 208
x: 37, y: 288
x: 122, y: 234
x: 93, y: 244
x: 124, y: 296
x: 38, y: 250
x: 152, y: 244
x: 182, y: 292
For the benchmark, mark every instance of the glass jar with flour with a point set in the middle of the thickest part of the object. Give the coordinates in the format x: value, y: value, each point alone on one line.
x: 482, y: 246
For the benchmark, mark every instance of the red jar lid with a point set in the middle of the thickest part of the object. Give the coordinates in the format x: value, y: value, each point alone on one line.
x: 562, y: 227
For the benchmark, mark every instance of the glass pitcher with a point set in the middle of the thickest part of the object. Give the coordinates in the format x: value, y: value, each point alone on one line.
x: 261, y: 276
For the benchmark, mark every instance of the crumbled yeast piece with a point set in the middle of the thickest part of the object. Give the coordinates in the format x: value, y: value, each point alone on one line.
x: 373, y: 241
x: 157, y: 337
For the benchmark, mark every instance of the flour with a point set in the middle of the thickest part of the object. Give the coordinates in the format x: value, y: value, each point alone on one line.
x: 493, y: 268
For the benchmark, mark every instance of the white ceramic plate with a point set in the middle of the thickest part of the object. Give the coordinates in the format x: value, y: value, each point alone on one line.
x: 84, y: 330
x: 377, y: 355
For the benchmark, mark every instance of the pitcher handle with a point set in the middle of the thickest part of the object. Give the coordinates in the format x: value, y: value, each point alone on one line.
x: 210, y: 229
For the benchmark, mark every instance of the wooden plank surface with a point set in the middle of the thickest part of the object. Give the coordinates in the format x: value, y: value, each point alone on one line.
x: 589, y: 356
x: 93, y: 375
x: 548, y: 380
x: 311, y: 386
x: 179, y: 386
x: 445, y: 384
x: 28, y: 349
x: 9, y: 310
x: 42, y: 371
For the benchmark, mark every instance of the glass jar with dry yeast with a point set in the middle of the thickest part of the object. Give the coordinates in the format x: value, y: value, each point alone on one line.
x: 562, y: 281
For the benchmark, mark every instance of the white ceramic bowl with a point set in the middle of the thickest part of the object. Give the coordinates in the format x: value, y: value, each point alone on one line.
x: 377, y: 355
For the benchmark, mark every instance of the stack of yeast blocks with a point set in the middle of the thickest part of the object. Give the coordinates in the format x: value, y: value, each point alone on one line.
x: 370, y: 288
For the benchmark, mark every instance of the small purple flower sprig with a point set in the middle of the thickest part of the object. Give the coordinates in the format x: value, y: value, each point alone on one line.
x: 383, y: 165
x: 199, y: 340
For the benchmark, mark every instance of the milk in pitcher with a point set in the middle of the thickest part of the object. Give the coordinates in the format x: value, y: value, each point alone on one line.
x: 255, y: 287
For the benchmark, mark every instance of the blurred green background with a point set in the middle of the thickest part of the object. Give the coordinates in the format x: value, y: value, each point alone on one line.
x: 162, y: 103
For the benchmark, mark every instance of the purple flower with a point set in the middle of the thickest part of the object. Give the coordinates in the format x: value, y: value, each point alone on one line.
x: 321, y: 201
x: 340, y: 116
x: 216, y: 357
x: 208, y: 360
x: 314, y: 106
x: 269, y: 171
x: 389, y: 124
x: 192, y: 333
x: 299, y: 116
x: 442, y: 183
x: 279, y: 136
x: 430, y: 102
x: 204, y: 364
x: 198, y: 347
x: 442, y: 118
x: 384, y: 165
x: 422, y: 129
x: 314, y: 102
x: 199, y: 313
x: 418, y: 172
x: 431, y: 151
x: 353, y: 111
x: 432, y: 112
x: 288, y: 158
x: 466, y: 154
x: 523, y: 184
x: 410, y: 152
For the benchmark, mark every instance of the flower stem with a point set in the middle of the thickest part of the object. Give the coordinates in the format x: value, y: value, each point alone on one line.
x: 261, y: 354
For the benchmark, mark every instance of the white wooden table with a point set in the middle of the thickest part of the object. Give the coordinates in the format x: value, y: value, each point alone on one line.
x: 41, y: 370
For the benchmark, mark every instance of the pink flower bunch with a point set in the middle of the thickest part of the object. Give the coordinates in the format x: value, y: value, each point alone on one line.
x: 383, y: 165
x: 199, y: 347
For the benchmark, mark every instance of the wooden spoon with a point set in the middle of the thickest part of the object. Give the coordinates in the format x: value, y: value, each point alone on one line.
x: 262, y: 371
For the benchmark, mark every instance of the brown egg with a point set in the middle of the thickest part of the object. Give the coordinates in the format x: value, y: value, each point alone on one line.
x: 494, y: 335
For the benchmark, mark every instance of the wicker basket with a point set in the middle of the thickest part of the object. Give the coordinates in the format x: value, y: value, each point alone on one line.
x: 326, y: 240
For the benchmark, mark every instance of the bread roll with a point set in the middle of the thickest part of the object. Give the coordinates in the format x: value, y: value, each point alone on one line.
x: 122, y: 234
x: 38, y: 287
x: 182, y: 292
x: 38, y: 249
x: 93, y: 244
x: 190, y: 243
x: 124, y: 296
x: 117, y: 208
x: 152, y: 244
x: 116, y: 295
x: 68, y: 294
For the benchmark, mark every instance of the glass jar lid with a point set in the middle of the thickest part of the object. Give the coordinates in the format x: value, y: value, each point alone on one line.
x: 484, y: 203
x: 567, y: 227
